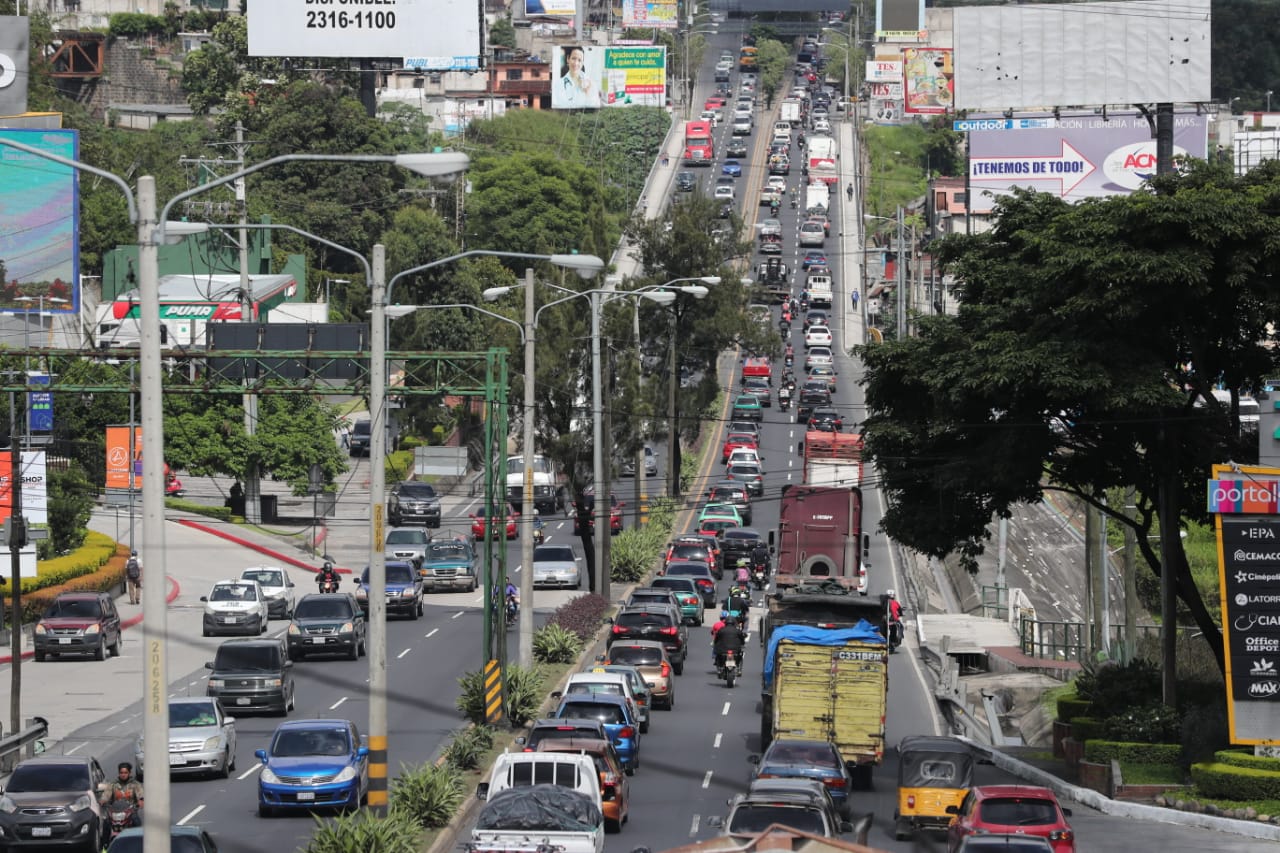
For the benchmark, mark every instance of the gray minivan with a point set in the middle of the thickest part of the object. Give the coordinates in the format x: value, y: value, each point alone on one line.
x: 251, y: 675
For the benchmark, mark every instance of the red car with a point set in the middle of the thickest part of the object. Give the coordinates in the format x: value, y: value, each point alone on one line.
x: 714, y: 103
x: 1021, y: 809
x: 615, y: 514
x: 738, y: 440
x: 480, y: 520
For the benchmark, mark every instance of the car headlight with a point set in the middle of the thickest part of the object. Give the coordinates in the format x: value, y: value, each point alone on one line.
x: 273, y: 682
x: 347, y: 628
x: 347, y: 774
x: 293, y: 630
x: 7, y: 805
x: 81, y: 803
x: 92, y: 629
x: 408, y: 593
x: 213, y: 743
x: 217, y: 683
x: 362, y: 593
x: 40, y: 629
x: 268, y: 777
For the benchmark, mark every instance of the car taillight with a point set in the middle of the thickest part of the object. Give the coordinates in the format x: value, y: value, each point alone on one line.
x: 670, y: 632
x: 1062, y: 835
x: 666, y: 670
x: 618, y: 629
x: 911, y: 801
x: 626, y: 732
x: 766, y: 776
x: 836, y: 783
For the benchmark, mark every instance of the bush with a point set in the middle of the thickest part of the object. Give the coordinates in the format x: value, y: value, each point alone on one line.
x: 1240, y: 784
x: 632, y: 554
x: 1204, y: 730
x: 96, y: 552
x: 582, y: 615
x: 1247, y: 759
x: 109, y: 575
x: 1085, y: 728
x: 429, y: 794
x: 467, y: 747
x: 1114, y: 689
x: 524, y: 694
x: 556, y: 644
x: 1103, y: 751
x: 362, y: 831
x: 1152, y: 723
x: 1070, y: 707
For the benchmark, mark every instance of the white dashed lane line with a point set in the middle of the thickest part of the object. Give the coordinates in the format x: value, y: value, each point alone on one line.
x: 403, y: 653
x: 433, y: 631
x: 246, y: 774
x: 335, y: 705
x: 725, y: 711
x: 706, y: 780
x: 716, y: 744
x: 456, y: 615
x: 191, y: 814
x: 693, y: 827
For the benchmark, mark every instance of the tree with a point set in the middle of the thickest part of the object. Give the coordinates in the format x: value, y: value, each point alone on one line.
x: 70, y: 503
x: 1083, y: 358
x: 773, y: 59
x: 502, y: 33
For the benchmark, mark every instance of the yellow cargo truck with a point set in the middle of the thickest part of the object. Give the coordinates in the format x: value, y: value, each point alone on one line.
x: 747, y: 59
x: 829, y: 684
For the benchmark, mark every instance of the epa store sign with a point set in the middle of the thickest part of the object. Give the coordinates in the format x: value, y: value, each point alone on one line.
x: 1244, y: 497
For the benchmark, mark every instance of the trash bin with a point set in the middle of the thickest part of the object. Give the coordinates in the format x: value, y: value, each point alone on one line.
x: 270, y: 510
x: 236, y: 505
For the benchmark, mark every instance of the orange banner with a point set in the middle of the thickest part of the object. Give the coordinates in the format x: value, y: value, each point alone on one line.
x: 119, y: 459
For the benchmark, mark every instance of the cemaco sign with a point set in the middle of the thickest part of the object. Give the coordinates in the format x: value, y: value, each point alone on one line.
x: 1244, y: 497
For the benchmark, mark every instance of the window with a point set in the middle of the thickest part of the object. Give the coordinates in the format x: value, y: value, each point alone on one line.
x: 515, y: 74
x: 545, y: 773
x: 1018, y: 812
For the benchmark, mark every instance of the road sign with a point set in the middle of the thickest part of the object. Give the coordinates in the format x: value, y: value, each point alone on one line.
x: 968, y: 125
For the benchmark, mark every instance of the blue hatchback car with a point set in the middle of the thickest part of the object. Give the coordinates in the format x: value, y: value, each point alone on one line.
x: 313, y: 764
x: 615, y: 713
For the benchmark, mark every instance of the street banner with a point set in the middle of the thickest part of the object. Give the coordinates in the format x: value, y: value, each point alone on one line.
x: 35, y: 492
x: 120, y: 460
x: 657, y: 14
x: 39, y: 405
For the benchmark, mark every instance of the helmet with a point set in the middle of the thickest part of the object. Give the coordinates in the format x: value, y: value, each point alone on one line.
x: 724, y: 614
x: 133, y: 553
x: 891, y: 593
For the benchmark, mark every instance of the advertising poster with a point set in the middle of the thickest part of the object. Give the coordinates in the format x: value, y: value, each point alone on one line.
x: 594, y: 77
x: 375, y: 29
x: 1083, y: 156
x: 119, y: 457
x: 900, y: 20
x: 928, y: 80
x: 35, y: 495
x: 658, y: 14
x: 884, y: 71
x: 39, y: 405
x: 550, y: 8
x: 39, y: 243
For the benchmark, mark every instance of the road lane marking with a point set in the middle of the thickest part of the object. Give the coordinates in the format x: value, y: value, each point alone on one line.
x: 191, y: 814
x: 716, y: 744
x: 335, y: 705
x: 706, y: 780
x: 693, y: 827
x: 193, y: 683
x: 77, y: 746
x: 246, y: 774
x: 725, y: 711
x: 403, y: 653
x: 456, y: 615
x: 116, y: 726
x: 431, y: 634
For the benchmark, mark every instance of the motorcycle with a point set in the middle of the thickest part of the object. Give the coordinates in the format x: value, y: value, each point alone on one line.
x: 759, y: 577
x: 326, y: 585
x: 123, y: 814
x: 513, y: 611
x: 895, y: 635
x: 729, y: 668
x: 173, y: 487
x: 784, y: 403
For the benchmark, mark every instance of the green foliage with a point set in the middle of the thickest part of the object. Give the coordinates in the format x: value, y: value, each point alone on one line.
x: 363, y: 831
x: 1204, y: 729
x: 526, y: 688
x: 70, y: 503
x: 1085, y: 728
x: 502, y: 33
x: 470, y: 699
x: 134, y: 25
x: 467, y: 747
x: 774, y: 61
x: 1113, y: 688
x: 1102, y: 751
x: 1246, y: 759
x: 1229, y: 782
x: 1071, y: 707
x: 429, y: 794
x: 896, y: 174
x: 98, y: 566
x: 1153, y: 723
x: 554, y: 644
x: 633, y: 553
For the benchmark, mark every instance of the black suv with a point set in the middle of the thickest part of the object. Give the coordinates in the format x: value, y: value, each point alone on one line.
x: 52, y: 802
x: 685, y: 182
x: 826, y: 420
x: 739, y: 542
x: 652, y: 595
x: 79, y: 623
x: 811, y: 398
x: 327, y: 623
x: 413, y: 503
x: 657, y: 622
x: 253, y: 675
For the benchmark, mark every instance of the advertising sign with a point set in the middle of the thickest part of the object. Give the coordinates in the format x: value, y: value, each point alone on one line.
x: 550, y: 8
x: 15, y: 38
x: 885, y: 91
x: 442, y: 63
x: 35, y: 494
x: 1084, y: 156
x: 366, y: 29
x: 659, y: 14
x: 39, y: 405
x: 927, y: 80
x: 900, y: 20
x: 120, y: 459
x: 39, y: 243
x: 594, y: 77
x: 884, y: 71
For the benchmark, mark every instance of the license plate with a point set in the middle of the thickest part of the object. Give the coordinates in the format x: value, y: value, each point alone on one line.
x: 228, y: 620
x: 64, y: 641
x: 306, y: 795
x: 176, y: 760
x: 244, y: 700
x: 318, y: 640
x: 41, y: 831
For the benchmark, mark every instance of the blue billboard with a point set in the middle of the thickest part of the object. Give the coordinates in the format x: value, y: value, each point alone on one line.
x: 39, y: 223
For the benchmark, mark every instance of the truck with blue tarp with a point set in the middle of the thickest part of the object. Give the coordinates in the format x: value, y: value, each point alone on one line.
x: 829, y: 684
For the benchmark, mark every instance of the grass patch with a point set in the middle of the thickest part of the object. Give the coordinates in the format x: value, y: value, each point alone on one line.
x: 1049, y: 698
x: 1262, y: 806
x: 1152, y: 774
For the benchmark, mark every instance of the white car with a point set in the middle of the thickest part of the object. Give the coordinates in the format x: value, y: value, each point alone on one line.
x: 277, y: 586
x: 812, y: 235
x: 712, y: 116
x: 235, y: 607
x: 818, y: 355
x: 744, y: 456
x: 557, y: 565
x: 725, y: 192
x: 771, y: 228
x: 777, y: 182
x: 202, y: 739
x: 821, y: 125
x: 817, y: 336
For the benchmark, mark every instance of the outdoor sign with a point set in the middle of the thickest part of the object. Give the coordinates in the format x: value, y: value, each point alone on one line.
x: 659, y: 14
x: 970, y: 125
x: 39, y: 243
x: 120, y: 460
x: 550, y: 8
x: 35, y: 495
x: 1243, y: 500
x: 1084, y: 156
x: 15, y: 38
x: 900, y: 20
x: 884, y: 71
x: 927, y: 79
x: 594, y: 77
x: 442, y: 63
x: 372, y: 30
x: 39, y: 405
x: 885, y: 91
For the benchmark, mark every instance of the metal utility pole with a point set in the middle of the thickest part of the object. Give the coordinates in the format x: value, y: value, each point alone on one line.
x: 252, y: 483
x: 1130, y: 578
x: 527, y: 508
x: 1164, y: 139
x: 17, y: 538
x: 673, y: 433
x: 641, y: 474
x: 603, y: 509
x: 1168, y: 516
x: 377, y: 640
x: 133, y: 444
x: 900, y: 277
x: 1090, y: 584
x: 1102, y: 604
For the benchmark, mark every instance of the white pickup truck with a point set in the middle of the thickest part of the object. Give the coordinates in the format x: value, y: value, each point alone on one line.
x: 540, y: 800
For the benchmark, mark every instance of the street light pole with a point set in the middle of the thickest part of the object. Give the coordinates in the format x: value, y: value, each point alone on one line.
x: 900, y: 277
x: 525, y: 628
x: 603, y: 505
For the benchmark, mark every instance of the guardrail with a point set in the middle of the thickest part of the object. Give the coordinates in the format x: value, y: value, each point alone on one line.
x: 23, y: 744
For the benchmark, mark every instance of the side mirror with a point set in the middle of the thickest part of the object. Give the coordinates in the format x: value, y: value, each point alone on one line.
x: 228, y: 721
x: 520, y: 741
x: 753, y: 759
x: 1066, y: 811
x: 261, y: 755
x: 650, y: 685
x: 204, y: 598
x: 557, y: 694
x: 362, y: 752
x: 288, y: 664
x: 482, y: 791
x: 715, y: 822
x: 953, y: 809
x: 208, y: 664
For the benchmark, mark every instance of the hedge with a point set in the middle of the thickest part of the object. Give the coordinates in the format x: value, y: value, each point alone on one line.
x: 108, y: 576
x: 1070, y: 707
x: 1246, y: 759
x: 97, y: 549
x: 1239, y: 784
x: 1085, y: 728
x: 1104, y: 751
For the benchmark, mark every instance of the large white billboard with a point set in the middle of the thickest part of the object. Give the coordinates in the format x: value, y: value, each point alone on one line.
x: 1081, y: 54
x: 359, y: 29
x: 592, y: 76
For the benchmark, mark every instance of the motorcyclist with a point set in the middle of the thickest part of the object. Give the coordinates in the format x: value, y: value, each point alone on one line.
x: 327, y: 575
x: 773, y: 209
x: 720, y: 623
x: 538, y: 534
x: 730, y: 637
x: 760, y: 557
x: 742, y: 574
x: 738, y: 601
x: 895, y: 616
x: 790, y: 352
x: 784, y: 397
x: 125, y: 787
x: 795, y: 201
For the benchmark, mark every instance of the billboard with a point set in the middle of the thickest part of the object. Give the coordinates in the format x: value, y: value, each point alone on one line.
x: 592, y: 77
x: 884, y: 87
x: 900, y: 20
x: 15, y: 47
x: 927, y: 80
x: 35, y: 494
x: 121, y: 462
x: 658, y: 14
x: 343, y: 30
x: 39, y: 243
x: 1081, y: 54
x: 1083, y: 156
x: 550, y: 8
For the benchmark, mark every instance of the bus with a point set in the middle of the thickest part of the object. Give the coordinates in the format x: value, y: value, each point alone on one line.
x: 821, y: 153
x: 699, y: 149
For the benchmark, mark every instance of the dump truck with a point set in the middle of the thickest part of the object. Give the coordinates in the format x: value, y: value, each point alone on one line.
x: 832, y: 459
x: 828, y: 684
x: 819, y: 536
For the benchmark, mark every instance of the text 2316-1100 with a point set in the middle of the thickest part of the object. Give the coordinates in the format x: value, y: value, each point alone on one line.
x: 351, y: 20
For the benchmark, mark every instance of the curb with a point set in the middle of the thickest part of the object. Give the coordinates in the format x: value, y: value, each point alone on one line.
x: 253, y: 546
x: 132, y: 621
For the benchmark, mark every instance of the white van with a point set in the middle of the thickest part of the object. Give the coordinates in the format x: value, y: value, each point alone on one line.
x: 782, y: 132
x: 819, y: 287
x: 817, y: 198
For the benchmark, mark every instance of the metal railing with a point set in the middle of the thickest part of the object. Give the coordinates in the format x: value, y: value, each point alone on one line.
x: 1041, y: 638
x: 23, y: 744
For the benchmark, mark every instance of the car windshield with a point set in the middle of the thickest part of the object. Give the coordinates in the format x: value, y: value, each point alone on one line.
x: 635, y: 655
x: 447, y: 551
x: 603, y: 688
x: 606, y: 712
x: 233, y: 592
x: 1018, y: 811
x: 396, y: 573
x: 84, y: 608
x: 240, y: 657
x: 325, y: 607
x: 50, y: 778
x: 417, y: 491
x: 191, y: 714
x: 808, y: 754
x: 750, y: 819
x: 686, y: 570
x: 264, y: 577
x: 292, y: 743
x: 407, y: 537
x: 640, y: 619
x: 677, y: 584
x: 648, y: 597
x: 690, y: 552
x: 553, y: 553
x: 744, y: 470
x: 741, y: 536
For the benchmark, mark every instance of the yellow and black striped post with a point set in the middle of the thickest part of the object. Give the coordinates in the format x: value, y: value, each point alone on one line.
x: 378, y: 795
x: 493, y: 700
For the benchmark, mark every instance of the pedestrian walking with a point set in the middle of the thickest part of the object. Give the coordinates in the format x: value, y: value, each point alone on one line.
x: 854, y: 297
x: 133, y: 577
x: 344, y: 435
